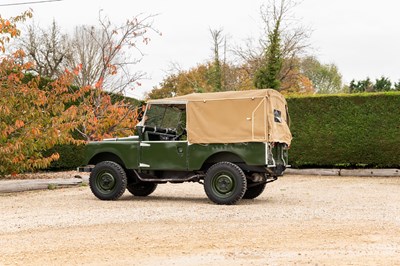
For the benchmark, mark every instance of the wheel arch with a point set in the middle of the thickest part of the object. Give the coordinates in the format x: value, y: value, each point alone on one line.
x: 224, y: 156
x: 106, y: 156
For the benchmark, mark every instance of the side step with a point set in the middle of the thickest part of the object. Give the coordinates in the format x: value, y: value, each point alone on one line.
x: 194, y: 178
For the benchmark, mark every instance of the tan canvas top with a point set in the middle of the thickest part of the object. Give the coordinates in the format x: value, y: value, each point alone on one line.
x: 234, y: 116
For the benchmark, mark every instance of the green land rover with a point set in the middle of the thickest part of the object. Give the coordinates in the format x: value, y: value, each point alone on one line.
x: 232, y: 142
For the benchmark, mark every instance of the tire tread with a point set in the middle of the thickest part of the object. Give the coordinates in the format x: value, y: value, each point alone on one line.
x: 121, y: 182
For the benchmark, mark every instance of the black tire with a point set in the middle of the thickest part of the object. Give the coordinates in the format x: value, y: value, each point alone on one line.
x: 108, y: 180
x: 225, y: 183
x: 253, y: 192
x: 141, y: 189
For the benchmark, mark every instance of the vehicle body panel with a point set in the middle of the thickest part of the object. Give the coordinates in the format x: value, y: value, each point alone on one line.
x: 127, y: 151
x: 252, y: 153
x: 163, y: 155
x: 179, y: 156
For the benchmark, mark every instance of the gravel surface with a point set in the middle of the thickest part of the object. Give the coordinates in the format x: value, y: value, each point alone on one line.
x: 302, y: 220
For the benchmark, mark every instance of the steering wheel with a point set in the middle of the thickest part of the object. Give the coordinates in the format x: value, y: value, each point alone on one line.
x: 180, y: 135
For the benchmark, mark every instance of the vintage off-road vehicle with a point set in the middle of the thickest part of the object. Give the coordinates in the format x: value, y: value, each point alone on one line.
x: 233, y: 143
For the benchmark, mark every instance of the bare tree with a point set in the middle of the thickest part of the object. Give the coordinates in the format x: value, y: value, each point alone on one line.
x: 47, y: 48
x: 107, y: 54
x: 294, y: 39
x: 102, y: 60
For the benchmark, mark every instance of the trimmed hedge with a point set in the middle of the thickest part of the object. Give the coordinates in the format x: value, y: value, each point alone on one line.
x: 71, y: 156
x: 357, y: 130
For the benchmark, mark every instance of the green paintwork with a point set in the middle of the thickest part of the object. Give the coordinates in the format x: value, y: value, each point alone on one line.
x: 178, y: 155
x: 126, y: 150
x: 164, y: 155
x: 252, y: 153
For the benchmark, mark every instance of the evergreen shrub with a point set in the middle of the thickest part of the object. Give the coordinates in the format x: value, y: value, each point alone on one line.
x: 353, y: 130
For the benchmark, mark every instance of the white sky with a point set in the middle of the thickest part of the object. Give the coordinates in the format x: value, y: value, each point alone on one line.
x: 362, y: 37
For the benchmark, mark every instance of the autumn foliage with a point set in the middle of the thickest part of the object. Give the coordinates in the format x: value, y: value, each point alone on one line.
x: 102, y: 117
x: 198, y: 79
x: 33, y: 119
x: 35, y: 115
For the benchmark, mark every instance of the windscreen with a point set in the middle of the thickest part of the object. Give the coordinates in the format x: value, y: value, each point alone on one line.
x: 163, y: 116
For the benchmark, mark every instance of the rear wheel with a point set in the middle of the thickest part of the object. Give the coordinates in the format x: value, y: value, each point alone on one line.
x: 253, y: 190
x: 225, y: 183
x: 141, y: 189
x: 108, y: 180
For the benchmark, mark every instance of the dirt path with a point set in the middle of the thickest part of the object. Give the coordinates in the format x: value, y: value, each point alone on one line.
x: 298, y: 220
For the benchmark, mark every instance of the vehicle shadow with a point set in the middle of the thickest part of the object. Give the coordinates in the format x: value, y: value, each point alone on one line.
x: 191, y: 200
x: 156, y: 198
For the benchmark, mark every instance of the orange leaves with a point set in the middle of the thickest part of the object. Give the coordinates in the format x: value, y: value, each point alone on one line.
x: 19, y: 54
x: 297, y: 83
x: 76, y: 71
x: 41, y: 99
x: 35, y: 131
x: 55, y: 156
x: 8, y: 28
x: 112, y: 69
x: 4, y: 110
x: 105, y: 117
x: 99, y: 83
x: 19, y: 124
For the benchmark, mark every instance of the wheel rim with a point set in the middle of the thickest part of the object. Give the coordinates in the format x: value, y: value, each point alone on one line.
x: 105, y: 181
x: 223, y: 184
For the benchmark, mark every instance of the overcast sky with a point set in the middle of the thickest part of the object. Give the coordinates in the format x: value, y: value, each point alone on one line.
x: 362, y: 37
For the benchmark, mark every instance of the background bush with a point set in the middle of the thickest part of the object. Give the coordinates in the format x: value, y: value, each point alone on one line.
x: 354, y: 130
x: 71, y: 156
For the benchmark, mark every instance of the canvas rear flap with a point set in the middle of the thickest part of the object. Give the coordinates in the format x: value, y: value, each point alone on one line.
x: 278, y: 128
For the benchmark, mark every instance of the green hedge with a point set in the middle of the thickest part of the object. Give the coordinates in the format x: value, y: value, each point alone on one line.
x: 357, y: 130
x: 71, y: 156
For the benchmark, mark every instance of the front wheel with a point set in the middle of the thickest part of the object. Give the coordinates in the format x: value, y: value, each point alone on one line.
x: 108, y: 180
x: 225, y: 183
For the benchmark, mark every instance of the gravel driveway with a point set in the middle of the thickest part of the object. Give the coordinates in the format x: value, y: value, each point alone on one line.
x: 302, y: 220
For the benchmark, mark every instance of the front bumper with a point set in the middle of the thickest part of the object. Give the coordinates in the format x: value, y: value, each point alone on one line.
x: 85, y: 169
